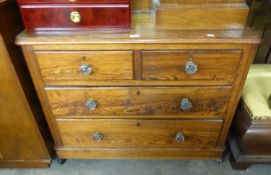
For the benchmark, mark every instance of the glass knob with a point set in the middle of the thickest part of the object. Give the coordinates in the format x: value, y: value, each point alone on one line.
x: 186, y: 104
x: 91, y: 104
x: 179, y: 137
x: 97, y: 136
x: 75, y: 17
x: 85, y: 69
x: 191, y: 67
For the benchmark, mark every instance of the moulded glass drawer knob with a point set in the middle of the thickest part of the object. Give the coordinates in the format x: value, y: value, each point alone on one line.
x: 97, y: 136
x: 191, y: 67
x: 91, y: 104
x: 85, y: 69
x: 186, y: 104
x: 180, y: 137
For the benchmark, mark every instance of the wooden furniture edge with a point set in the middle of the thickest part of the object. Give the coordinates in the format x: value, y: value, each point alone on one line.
x: 25, y: 164
x: 147, y: 154
x: 20, y: 41
x: 240, y: 161
x: 39, y: 84
x: 249, y: 53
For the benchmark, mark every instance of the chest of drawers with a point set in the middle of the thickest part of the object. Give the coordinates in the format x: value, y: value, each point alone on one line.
x: 144, y: 94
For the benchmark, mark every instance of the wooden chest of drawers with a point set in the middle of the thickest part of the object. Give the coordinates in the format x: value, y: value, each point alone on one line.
x: 146, y: 94
x: 75, y: 15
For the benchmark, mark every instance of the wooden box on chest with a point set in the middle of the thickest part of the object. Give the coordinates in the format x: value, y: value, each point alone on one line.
x: 141, y: 5
x: 201, y: 14
x: 144, y: 94
x: 75, y: 15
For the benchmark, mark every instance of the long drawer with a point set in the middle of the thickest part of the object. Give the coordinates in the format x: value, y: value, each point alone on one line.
x: 85, y: 65
x: 116, y: 133
x: 190, y: 65
x: 201, y: 101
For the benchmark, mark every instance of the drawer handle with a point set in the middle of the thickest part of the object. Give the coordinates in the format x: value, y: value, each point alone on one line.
x: 191, y: 67
x: 91, y: 104
x: 75, y: 17
x: 179, y: 137
x: 186, y: 104
x: 85, y: 69
x: 97, y: 136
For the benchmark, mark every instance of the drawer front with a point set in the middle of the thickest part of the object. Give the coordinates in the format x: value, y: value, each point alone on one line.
x: 174, y: 65
x: 88, y: 65
x: 44, y: 17
x: 115, y: 133
x: 72, y: 2
x: 205, y: 101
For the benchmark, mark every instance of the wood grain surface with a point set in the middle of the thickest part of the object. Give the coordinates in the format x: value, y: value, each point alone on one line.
x: 144, y: 30
x: 201, y: 17
x: 149, y: 154
x: 20, y: 138
x: 170, y: 65
x: 129, y: 101
x: 105, y: 65
x: 206, y: 101
x: 248, y: 56
x: 141, y: 5
x: 139, y: 133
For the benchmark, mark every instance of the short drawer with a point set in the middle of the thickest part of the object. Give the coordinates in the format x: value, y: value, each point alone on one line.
x: 85, y: 65
x: 75, y: 17
x: 190, y: 65
x: 115, y: 133
x: 202, y: 101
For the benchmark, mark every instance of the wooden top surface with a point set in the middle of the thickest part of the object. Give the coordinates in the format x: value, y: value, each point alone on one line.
x: 143, y: 31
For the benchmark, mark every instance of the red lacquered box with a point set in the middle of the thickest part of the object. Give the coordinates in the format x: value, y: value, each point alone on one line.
x: 75, y: 14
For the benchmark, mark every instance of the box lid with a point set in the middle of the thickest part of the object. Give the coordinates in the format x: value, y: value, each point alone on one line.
x: 73, y: 1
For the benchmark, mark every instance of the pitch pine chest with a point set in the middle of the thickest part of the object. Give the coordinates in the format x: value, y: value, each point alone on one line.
x: 143, y: 94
